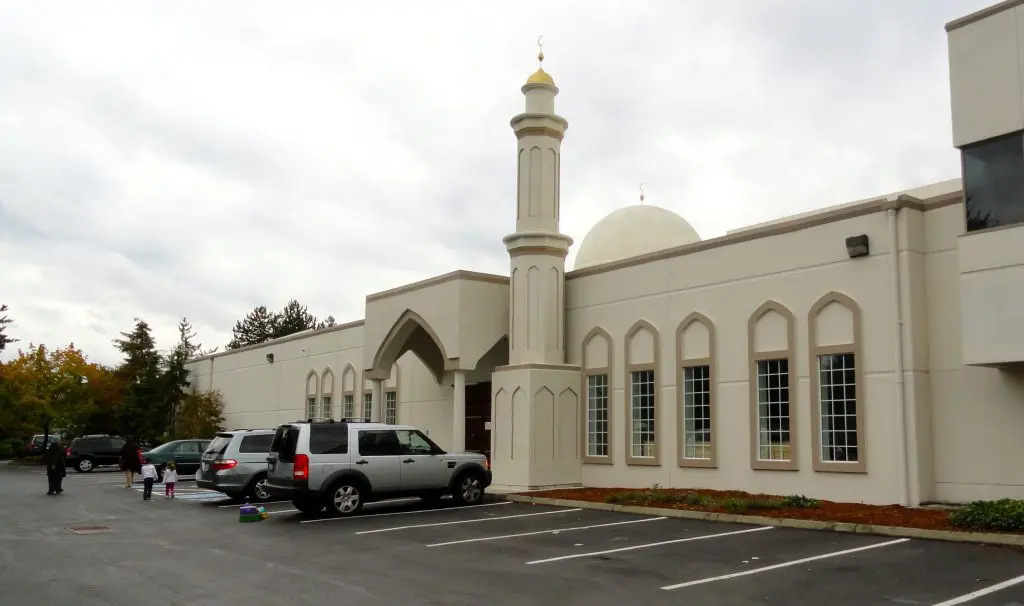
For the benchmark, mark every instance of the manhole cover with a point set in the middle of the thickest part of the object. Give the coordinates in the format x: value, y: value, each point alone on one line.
x: 89, y: 529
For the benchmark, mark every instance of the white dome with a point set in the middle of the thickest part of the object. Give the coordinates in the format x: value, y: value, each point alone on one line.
x: 631, y: 231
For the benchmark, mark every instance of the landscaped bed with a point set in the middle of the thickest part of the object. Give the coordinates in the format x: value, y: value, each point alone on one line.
x: 987, y: 516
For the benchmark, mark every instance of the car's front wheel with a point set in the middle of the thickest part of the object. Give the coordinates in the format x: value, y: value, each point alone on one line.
x: 345, y: 498
x: 469, y: 489
x: 84, y: 465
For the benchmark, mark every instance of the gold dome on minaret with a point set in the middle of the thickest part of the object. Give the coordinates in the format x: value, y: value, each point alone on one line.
x: 540, y: 76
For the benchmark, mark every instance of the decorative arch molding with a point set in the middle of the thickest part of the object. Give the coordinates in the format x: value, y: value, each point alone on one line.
x: 696, y: 364
x: 349, y: 388
x: 324, y: 376
x: 631, y: 366
x: 312, y: 383
x: 601, y: 374
x: 311, y: 402
x: 784, y: 457
x: 403, y: 337
x: 847, y: 350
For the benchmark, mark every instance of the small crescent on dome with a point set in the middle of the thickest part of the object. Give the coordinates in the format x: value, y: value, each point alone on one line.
x: 641, y: 191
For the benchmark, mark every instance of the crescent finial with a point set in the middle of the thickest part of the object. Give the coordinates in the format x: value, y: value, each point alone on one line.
x: 641, y: 192
x: 540, y: 48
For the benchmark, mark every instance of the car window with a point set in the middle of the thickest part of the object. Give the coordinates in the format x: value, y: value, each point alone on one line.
x: 116, y: 443
x: 330, y: 438
x: 286, y: 439
x: 188, y: 448
x: 413, y: 443
x: 261, y: 443
x: 379, y: 443
x: 220, y: 444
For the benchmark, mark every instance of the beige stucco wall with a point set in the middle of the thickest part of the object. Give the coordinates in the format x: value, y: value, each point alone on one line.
x: 262, y: 394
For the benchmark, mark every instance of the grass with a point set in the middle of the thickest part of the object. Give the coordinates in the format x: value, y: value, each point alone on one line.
x: 657, y: 496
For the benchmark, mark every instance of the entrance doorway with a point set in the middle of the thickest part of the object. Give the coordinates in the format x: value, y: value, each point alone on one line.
x: 478, y: 418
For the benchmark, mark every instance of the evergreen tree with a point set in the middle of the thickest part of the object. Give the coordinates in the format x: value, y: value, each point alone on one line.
x: 4, y: 321
x: 294, y: 318
x: 175, y: 380
x: 258, y: 326
x: 330, y: 321
x: 144, y: 414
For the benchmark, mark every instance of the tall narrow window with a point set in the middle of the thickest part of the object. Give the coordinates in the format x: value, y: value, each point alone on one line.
x: 697, y: 412
x: 597, y: 415
x: 348, y: 410
x: 391, y: 407
x: 838, y: 382
x: 642, y: 407
x: 325, y: 408
x: 311, y: 407
x: 368, y: 405
x: 773, y: 439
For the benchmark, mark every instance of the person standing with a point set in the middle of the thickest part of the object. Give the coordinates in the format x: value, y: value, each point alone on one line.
x: 130, y: 461
x: 149, y: 476
x: 170, y: 477
x: 55, y: 468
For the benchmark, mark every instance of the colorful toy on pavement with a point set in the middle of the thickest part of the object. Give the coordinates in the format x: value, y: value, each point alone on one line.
x: 252, y: 513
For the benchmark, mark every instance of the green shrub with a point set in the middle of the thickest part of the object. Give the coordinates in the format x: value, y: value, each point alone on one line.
x: 799, y: 501
x: 6, y: 450
x: 1004, y: 514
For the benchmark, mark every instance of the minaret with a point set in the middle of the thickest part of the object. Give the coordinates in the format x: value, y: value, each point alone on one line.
x: 537, y: 249
x: 536, y: 397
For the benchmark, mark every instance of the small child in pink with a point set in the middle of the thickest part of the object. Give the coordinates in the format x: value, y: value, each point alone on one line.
x: 170, y: 477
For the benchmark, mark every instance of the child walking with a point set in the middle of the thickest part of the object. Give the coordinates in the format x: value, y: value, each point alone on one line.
x: 170, y: 477
x: 149, y: 476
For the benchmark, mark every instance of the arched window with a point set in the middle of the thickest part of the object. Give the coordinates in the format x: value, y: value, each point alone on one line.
x: 597, y: 426
x: 771, y: 342
x: 695, y: 358
x: 643, y: 421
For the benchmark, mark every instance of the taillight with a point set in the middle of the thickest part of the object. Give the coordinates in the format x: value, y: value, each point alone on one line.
x: 300, y: 471
x: 67, y: 451
x: 222, y: 464
x: 487, y: 463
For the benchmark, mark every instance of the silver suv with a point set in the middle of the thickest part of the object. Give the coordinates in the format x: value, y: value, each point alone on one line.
x: 342, y: 465
x: 235, y: 463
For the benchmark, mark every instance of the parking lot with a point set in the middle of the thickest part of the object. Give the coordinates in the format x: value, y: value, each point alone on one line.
x: 193, y: 550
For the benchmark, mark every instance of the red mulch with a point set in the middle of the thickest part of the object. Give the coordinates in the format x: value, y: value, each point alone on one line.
x: 827, y: 511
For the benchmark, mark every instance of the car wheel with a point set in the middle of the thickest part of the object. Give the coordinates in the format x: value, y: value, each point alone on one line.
x: 307, y: 505
x: 258, y: 492
x: 84, y: 465
x: 345, y: 498
x: 469, y: 489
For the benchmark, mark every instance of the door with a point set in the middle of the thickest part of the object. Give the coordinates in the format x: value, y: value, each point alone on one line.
x: 422, y: 469
x: 379, y: 458
x: 478, y: 418
x: 186, y: 457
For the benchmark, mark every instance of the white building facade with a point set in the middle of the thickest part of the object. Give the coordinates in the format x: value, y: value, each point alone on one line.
x: 867, y: 352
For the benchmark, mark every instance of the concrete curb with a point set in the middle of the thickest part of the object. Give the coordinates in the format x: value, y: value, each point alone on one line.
x: 987, y: 538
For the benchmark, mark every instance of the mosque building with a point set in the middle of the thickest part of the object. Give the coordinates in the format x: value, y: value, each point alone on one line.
x: 867, y: 352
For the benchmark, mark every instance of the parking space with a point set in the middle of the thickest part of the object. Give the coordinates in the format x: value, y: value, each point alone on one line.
x: 500, y: 553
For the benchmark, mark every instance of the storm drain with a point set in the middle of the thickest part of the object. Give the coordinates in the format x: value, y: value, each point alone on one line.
x: 89, y: 529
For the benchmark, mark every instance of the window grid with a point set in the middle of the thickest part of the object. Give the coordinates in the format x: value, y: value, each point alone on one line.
x: 773, y: 439
x: 368, y: 405
x: 391, y: 407
x: 325, y: 408
x: 838, y: 408
x: 642, y: 430
x: 348, y: 410
x: 597, y: 415
x: 310, y: 407
x: 697, y: 412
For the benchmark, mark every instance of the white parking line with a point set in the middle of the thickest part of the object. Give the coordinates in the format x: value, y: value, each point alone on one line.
x: 553, y: 531
x: 646, y: 545
x: 406, y: 513
x: 494, y: 519
x: 282, y: 511
x: 782, y: 565
x: 982, y: 592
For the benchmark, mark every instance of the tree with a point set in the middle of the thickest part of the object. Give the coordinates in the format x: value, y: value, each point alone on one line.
x: 201, y: 414
x: 174, y: 380
x: 4, y: 321
x: 330, y: 321
x: 44, y: 389
x: 293, y: 318
x: 256, y: 327
x: 144, y: 414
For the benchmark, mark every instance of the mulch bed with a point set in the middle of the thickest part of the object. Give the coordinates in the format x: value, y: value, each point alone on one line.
x: 826, y: 511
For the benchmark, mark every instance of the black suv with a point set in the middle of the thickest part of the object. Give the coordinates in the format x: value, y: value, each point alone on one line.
x: 89, y: 452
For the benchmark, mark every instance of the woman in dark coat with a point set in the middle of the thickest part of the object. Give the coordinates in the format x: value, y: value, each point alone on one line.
x: 130, y: 461
x: 55, y: 469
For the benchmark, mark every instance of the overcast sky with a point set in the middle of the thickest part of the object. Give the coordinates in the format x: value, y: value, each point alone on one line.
x: 168, y: 159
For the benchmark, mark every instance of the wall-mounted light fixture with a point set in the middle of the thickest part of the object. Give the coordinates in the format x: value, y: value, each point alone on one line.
x: 857, y: 246
x: 270, y: 358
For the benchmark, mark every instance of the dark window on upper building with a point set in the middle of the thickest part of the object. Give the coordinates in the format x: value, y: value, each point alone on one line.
x: 994, y: 182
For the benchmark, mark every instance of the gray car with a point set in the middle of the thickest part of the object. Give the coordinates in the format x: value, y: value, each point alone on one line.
x: 342, y: 465
x: 235, y: 463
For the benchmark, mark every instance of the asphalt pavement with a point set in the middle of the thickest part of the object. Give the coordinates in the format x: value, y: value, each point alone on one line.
x: 100, y: 544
